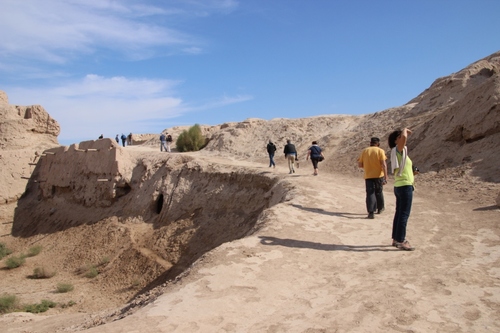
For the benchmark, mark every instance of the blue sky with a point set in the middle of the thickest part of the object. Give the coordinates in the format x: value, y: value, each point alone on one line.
x: 111, y: 67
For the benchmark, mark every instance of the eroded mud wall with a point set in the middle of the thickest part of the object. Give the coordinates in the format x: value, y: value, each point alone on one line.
x: 161, y: 211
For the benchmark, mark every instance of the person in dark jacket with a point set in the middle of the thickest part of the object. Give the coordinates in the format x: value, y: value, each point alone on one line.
x: 124, y: 139
x: 290, y: 155
x: 316, y: 156
x: 271, y: 149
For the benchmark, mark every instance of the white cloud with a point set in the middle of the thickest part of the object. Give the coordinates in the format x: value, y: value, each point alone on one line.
x: 96, y: 104
x: 58, y: 31
x: 223, y: 101
x: 55, y: 40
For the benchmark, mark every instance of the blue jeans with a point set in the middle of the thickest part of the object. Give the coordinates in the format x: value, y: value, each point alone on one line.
x: 404, y: 198
x: 163, y: 146
x: 271, y: 159
x: 374, y: 194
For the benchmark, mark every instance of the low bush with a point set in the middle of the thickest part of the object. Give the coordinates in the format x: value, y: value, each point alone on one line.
x: 67, y: 305
x: 34, y: 250
x: 191, y: 140
x: 15, y: 261
x: 40, y: 307
x: 8, y: 303
x: 91, y: 272
x: 104, y: 261
x: 64, y: 287
x: 4, y: 251
x: 135, y: 283
x: 42, y: 273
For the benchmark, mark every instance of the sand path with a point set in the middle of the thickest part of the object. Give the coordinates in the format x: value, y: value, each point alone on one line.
x: 318, y: 265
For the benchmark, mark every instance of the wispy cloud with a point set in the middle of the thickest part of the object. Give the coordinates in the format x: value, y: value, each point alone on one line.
x: 58, y: 31
x: 221, y: 102
x: 96, y: 104
x: 45, y: 42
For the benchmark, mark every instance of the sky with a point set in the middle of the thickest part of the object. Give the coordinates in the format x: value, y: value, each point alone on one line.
x: 140, y: 66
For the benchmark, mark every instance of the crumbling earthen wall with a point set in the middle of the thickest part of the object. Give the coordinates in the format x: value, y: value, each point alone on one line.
x: 25, y: 131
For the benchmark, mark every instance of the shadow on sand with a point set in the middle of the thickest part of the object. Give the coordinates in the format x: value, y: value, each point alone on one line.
x: 266, y: 240
x: 324, y: 212
x: 482, y: 209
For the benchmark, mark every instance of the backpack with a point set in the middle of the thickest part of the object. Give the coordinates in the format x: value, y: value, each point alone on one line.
x: 169, y: 138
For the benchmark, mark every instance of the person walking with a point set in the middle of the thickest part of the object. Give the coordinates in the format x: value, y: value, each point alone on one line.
x: 169, y: 142
x: 163, y: 140
x: 316, y: 155
x: 290, y: 155
x: 271, y: 149
x: 402, y: 168
x: 124, y: 139
x: 372, y: 160
x: 117, y: 138
x: 129, y: 139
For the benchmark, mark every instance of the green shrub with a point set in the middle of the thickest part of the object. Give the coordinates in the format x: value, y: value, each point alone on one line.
x: 14, y: 262
x: 34, y: 250
x: 64, y: 287
x: 4, y: 251
x: 41, y: 307
x: 8, y: 303
x: 42, y: 273
x: 104, y: 261
x: 190, y: 140
x: 135, y: 283
x: 91, y: 272
x: 67, y: 305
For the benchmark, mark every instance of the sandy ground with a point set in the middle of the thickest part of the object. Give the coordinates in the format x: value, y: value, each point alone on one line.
x: 318, y: 265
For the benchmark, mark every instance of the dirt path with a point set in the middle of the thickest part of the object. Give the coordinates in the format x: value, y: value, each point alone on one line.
x: 318, y: 265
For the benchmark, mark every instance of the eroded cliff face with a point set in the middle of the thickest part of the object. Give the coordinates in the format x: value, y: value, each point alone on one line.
x: 24, y: 132
x: 162, y: 211
x: 458, y: 121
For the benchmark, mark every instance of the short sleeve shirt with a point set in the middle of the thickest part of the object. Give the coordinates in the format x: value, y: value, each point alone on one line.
x: 371, y: 158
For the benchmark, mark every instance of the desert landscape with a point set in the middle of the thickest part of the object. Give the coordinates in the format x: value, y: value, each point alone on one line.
x: 216, y: 241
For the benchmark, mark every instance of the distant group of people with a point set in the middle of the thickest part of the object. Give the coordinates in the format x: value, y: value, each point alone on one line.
x: 373, y: 161
x: 126, y: 139
x: 314, y: 153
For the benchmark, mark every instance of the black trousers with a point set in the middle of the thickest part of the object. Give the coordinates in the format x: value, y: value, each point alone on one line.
x: 374, y: 194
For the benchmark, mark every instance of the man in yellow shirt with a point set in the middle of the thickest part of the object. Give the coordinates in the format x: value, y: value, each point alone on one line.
x: 372, y: 160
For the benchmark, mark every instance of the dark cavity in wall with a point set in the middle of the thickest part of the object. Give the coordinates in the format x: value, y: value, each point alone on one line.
x: 159, y: 203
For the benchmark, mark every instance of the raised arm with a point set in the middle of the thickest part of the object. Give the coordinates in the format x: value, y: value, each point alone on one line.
x: 403, y: 138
